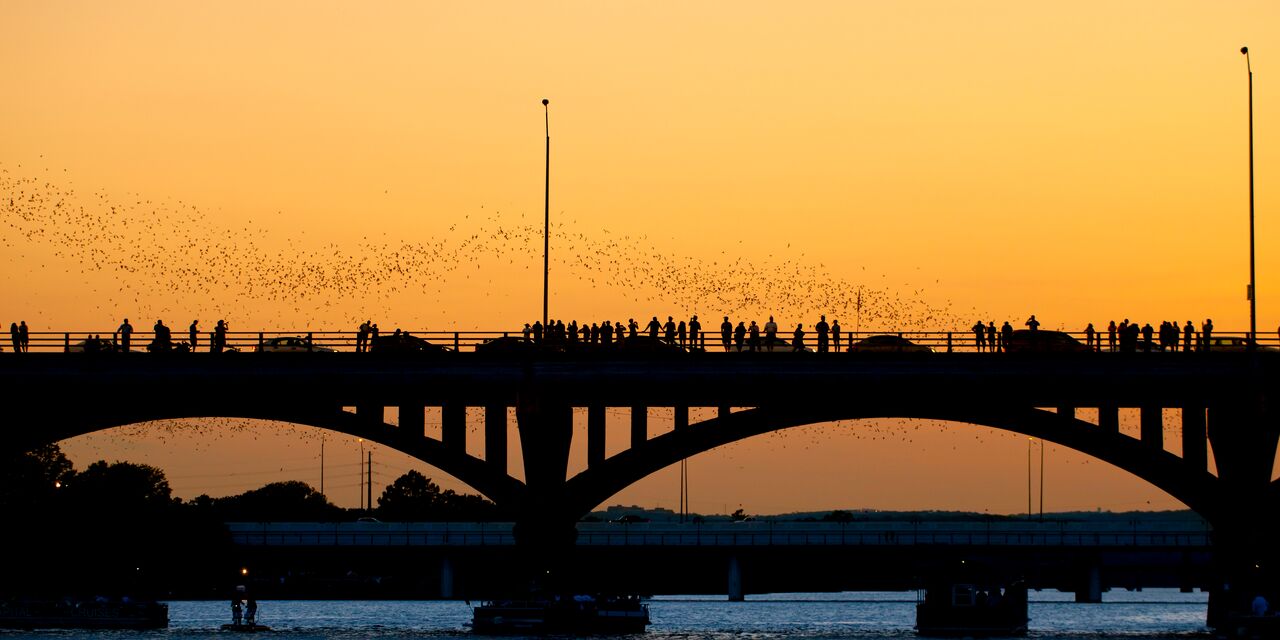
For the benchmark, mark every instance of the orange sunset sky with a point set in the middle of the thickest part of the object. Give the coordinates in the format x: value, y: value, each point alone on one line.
x: 309, y: 165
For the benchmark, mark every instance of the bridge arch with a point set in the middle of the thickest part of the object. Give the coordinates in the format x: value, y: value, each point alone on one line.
x: 1164, y: 470
x: 490, y: 482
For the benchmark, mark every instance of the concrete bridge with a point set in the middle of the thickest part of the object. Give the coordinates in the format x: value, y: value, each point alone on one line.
x: 1227, y: 404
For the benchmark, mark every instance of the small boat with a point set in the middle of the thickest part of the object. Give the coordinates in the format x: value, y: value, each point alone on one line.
x: 578, y: 615
x: 69, y: 613
x: 245, y: 627
x: 972, y: 610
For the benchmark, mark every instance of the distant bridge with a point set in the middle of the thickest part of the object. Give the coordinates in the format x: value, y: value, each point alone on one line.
x: 470, y: 559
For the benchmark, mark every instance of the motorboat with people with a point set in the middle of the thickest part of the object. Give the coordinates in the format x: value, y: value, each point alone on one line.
x: 244, y: 614
x: 99, y: 613
x: 961, y: 609
x: 572, y: 614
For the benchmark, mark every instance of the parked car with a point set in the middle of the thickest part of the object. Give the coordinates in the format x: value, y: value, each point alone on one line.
x: 290, y: 344
x: 645, y: 344
x: 1233, y: 343
x: 95, y: 345
x: 509, y: 345
x: 403, y: 343
x: 1027, y: 341
x: 887, y: 344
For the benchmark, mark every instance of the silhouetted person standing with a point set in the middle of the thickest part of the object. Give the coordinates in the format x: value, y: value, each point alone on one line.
x: 24, y: 338
x: 797, y: 338
x: 126, y: 333
x: 726, y: 332
x: 669, y: 330
x: 739, y: 335
x: 753, y: 341
x: 1032, y: 323
x: 633, y: 327
x: 835, y: 335
x: 1088, y: 336
x: 770, y: 333
x: 1206, y: 333
x: 991, y: 336
x: 653, y: 328
x: 193, y: 334
x: 695, y: 334
x: 362, y: 336
x: 682, y: 335
x: 1006, y: 335
x: 1188, y: 332
x: 15, y: 337
x: 979, y: 335
x: 823, y: 329
x: 537, y: 332
x: 1147, y: 331
x: 1111, y: 335
x: 619, y: 332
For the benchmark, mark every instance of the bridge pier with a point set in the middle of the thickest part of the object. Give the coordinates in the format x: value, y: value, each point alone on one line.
x: 1244, y: 433
x: 446, y: 578
x: 734, y: 580
x: 1091, y: 589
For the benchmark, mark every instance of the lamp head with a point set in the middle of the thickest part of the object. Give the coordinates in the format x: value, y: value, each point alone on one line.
x: 1244, y: 50
x: 545, y: 102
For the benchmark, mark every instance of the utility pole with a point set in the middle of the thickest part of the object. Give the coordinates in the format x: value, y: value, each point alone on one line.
x: 369, y: 484
x: 1253, y: 282
x: 546, y: 222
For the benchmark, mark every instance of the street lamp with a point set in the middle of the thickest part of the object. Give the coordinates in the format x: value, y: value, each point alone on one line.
x: 546, y: 214
x: 1253, y: 284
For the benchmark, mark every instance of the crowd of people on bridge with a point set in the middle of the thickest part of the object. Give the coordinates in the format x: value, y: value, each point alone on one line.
x: 687, y: 335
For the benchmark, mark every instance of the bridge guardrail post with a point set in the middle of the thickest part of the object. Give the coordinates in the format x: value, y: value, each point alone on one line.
x: 948, y: 342
x: 455, y: 341
x: 260, y: 341
x: 66, y: 342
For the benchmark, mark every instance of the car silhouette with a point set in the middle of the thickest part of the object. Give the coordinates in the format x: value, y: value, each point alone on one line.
x: 1233, y: 343
x: 403, y: 343
x: 1027, y: 341
x: 887, y: 344
x: 290, y: 344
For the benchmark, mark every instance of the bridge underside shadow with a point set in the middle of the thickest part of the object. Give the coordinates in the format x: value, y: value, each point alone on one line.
x: 491, y: 482
x: 1196, y: 488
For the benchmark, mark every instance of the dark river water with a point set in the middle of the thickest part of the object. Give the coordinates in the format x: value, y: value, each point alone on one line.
x: 1154, y: 614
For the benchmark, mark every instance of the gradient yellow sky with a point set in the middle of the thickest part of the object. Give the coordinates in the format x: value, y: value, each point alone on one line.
x: 1083, y: 162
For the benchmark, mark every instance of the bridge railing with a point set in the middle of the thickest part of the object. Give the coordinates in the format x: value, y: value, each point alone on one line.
x: 721, y: 534
x: 466, y: 341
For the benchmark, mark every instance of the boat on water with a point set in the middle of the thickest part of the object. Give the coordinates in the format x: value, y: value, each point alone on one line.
x: 245, y: 627
x: 71, y: 613
x: 577, y: 614
x: 972, y: 610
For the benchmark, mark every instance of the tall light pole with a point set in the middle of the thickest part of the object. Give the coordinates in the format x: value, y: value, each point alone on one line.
x: 1253, y: 283
x: 546, y: 214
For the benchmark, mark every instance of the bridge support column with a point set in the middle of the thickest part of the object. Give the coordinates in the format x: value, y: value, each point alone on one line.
x: 681, y: 417
x: 412, y: 419
x: 542, y: 526
x: 453, y: 426
x: 495, y: 436
x: 369, y: 414
x: 446, y: 578
x: 639, y: 426
x: 1091, y: 590
x: 1109, y: 418
x: 1152, y: 426
x: 596, y: 422
x: 1244, y: 431
x: 1195, y: 443
x: 735, y: 580
x: 723, y: 412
